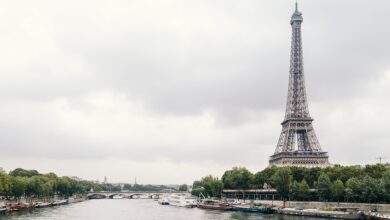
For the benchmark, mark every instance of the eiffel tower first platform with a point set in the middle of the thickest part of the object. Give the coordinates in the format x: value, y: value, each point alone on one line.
x: 298, y: 144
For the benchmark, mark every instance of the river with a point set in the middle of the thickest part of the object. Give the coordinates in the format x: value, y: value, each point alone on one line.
x: 134, y: 209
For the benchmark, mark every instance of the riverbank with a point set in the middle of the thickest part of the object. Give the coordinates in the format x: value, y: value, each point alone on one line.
x: 365, y: 207
x: 30, y: 204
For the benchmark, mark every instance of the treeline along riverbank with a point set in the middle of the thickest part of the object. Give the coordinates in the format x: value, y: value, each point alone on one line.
x: 357, y: 184
x: 31, y: 185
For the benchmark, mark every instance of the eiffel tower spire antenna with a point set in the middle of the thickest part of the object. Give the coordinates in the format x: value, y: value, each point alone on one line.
x: 298, y: 144
x: 296, y: 5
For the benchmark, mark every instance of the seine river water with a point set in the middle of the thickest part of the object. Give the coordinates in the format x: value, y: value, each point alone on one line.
x: 135, y: 209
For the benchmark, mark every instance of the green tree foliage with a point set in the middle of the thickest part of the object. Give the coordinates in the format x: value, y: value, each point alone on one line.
x: 324, y: 187
x: 353, y: 189
x: 385, y: 186
x: 24, y: 173
x: 183, y: 188
x: 370, y: 190
x: 208, y: 186
x: 282, y: 181
x: 375, y: 171
x: 294, y: 191
x: 19, y: 186
x: 298, y: 173
x: 299, y: 191
x: 338, y: 190
x: 31, y: 184
x: 311, y: 176
x: 237, y: 178
x: 5, y: 184
x: 264, y: 177
x: 197, y: 188
x: 304, y: 190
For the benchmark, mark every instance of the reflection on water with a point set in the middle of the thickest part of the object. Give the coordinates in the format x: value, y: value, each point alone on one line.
x: 135, y: 209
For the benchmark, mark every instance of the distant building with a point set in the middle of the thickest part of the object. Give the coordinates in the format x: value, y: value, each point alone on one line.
x: 105, y: 179
x: 2, y: 170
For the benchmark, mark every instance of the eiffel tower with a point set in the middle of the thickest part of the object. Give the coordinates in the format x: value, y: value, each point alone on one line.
x: 298, y: 144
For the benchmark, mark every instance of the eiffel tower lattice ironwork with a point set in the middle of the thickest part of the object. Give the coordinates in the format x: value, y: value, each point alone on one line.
x: 298, y: 144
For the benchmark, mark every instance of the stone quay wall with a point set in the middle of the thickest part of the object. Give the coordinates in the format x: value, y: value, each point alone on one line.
x: 383, y: 208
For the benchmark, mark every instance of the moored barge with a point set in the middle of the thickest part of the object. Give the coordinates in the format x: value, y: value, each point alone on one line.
x: 215, y: 205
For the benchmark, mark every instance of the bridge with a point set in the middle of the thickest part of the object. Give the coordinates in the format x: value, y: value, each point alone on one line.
x: 133, y: 195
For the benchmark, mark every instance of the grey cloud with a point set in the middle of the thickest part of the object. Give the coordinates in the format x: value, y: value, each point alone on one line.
x: 180, y: 59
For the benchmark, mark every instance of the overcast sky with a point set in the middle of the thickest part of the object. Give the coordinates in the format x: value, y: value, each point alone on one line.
x: 168, y: 91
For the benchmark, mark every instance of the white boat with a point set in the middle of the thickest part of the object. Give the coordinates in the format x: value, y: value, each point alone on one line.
x: 59, y: 202
x: 163, y: 201
x: 3, y: 210
x: 182, y: 201
x: 233, y: 201
x: 41, y: 205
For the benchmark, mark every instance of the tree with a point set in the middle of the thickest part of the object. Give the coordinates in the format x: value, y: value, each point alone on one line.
x: 35, y: 186
x: 237, y: 178
x: 298, y: 173
x: 197, y: 188
x: 312, y: 175
x: 303, y: 190
x: 338, y: 190
x: 370, y: 190
x: 264, y: 177
x: 385, y: 186
x: 282, y: 180
x: 353, y: 189
x: 19, y: 186
x: 375, y: 171
x: 208, y: 186
x: 324, y: 187
x: 24, y: 173
x: 212, y: 185
x: 299, y: 191
x: 294, y: 191
x: 64, y: 187
x: 5, y: 184
x: 183, y: 188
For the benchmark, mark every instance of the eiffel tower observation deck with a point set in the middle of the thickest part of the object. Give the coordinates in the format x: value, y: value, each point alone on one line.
x: 298, y: 144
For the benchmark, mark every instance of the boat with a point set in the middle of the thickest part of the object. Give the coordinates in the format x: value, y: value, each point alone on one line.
x: 20, y: 207
x: 233, y: 201
x: 338, y: 213
x: 215, y: 204
x: 164, y: 201
x: 182, y: 201
x: 41, y: 205
x: 251, y: 208
x: 59, y: 202
x: 3, y: 210
x: 373, y: 214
